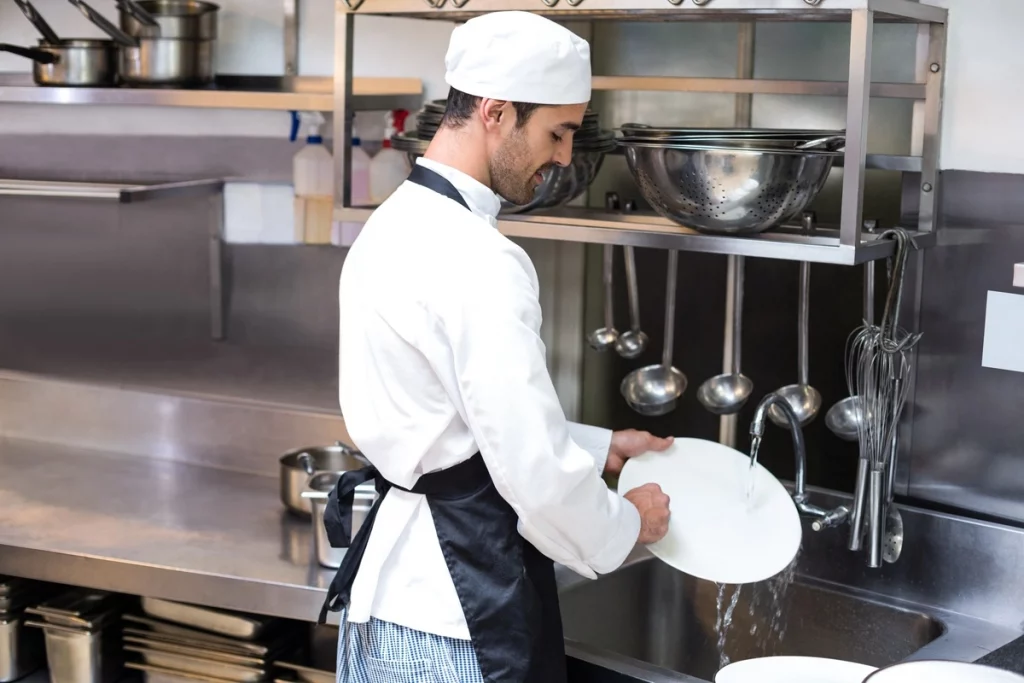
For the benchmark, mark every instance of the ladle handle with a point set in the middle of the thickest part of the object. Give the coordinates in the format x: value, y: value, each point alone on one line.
x: 632, y: 289
x: 803, y: 323
x: 737, y: 313
x: 670, y: 306
x: 609, y: 292
x: 869, y: 280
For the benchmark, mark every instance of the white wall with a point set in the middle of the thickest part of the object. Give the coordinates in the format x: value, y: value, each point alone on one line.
x: 984, y: 103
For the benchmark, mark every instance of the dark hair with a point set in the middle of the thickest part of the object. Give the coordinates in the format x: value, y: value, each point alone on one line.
x: 460, y: 107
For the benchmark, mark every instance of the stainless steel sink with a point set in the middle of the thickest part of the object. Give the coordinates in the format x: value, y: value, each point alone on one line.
x: 952, y: 595
x: 653, y: 613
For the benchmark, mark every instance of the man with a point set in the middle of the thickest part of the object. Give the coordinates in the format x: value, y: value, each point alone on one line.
x: 444, y: 388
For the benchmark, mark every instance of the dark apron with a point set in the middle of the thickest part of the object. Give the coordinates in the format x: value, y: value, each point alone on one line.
x: 505, y: 585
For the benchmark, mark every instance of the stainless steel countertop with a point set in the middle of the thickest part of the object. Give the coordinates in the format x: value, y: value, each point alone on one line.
x: 155, y: 528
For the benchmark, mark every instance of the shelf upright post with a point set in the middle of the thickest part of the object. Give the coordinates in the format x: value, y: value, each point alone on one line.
x: 934, y: 75
x: 291, y: 37
x: 745, y: 35
x: 862, y: 23
x: 344, y: 22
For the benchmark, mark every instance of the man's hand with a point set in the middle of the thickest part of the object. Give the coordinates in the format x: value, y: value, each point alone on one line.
x: 652, y: 504
x: 630, y: 443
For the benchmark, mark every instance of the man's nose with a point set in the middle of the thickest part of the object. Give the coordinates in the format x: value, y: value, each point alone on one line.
x: 563, y: 153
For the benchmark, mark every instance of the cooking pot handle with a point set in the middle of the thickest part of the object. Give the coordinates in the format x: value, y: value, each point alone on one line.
x: 49, y: 35
x: 305, y: 461
x: 41, y: 56
x: 140, y: 15
x: 104, y: 24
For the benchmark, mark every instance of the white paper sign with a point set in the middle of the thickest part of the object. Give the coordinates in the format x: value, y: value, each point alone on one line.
x: 1004, y: 332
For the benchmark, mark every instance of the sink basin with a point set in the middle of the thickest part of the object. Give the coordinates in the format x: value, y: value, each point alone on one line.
x: 650, y: 612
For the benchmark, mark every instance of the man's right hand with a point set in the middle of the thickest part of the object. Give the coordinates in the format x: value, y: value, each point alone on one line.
x: 652, y: 504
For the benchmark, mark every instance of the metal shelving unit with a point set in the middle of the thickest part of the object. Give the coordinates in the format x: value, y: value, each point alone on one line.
x: 287, y: 93
x: 843, y: 244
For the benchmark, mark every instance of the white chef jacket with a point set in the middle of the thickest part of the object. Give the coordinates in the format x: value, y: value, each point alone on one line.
x: 441, y: 357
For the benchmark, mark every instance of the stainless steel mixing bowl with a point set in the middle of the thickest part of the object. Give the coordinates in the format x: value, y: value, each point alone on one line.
x: 726, y: 190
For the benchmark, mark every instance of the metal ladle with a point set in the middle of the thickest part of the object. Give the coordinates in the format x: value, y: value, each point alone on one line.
x: 605, y: 337
x: 802, y: 397
x: 843, y: 419
x: 655, y: 389
x: 633, y: 341
x: 725, y: 394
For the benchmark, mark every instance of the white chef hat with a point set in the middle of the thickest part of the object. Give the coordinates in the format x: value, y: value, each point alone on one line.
x: 519, y: 57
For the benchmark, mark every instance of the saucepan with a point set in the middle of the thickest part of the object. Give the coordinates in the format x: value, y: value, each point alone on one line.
x: 162, y: 42
x: 71, y: 62
x: 81, y: 62
x: 298, y: 467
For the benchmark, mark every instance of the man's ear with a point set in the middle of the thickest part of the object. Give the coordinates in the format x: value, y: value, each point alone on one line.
x: 492, y: 112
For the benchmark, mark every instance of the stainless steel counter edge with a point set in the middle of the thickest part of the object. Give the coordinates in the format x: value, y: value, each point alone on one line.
x: 210, y: 590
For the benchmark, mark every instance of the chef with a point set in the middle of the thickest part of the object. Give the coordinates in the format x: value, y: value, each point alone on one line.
x: 444, y: 388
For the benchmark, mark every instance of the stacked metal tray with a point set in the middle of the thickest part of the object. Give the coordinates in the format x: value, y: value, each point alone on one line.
x: 21, y: 649
x: 83, y: 642
x: 178, y: 643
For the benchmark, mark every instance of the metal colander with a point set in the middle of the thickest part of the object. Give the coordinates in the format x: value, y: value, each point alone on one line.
x: 726, y: 189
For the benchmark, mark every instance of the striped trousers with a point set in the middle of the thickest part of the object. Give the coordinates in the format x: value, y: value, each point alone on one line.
x: 381, y: 652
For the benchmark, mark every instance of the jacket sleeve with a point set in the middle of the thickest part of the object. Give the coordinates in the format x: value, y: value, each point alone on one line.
x: 594, y: 440
x: 510, y: 405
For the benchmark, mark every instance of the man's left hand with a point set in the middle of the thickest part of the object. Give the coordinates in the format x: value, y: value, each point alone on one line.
x: 630, y: 443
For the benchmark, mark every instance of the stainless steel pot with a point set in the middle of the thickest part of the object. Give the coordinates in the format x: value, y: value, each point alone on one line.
x: 320, y: 487
x: 167, y: 62
x: 150, y: 58
x: 179, y: 19
x: 297, y: 467
x: 72, y: 62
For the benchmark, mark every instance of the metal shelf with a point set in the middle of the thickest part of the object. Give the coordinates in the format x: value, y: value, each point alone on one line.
x: 282, y: 93
x: 125, y: 193
x: 686, y: 10
x: 787, y: 242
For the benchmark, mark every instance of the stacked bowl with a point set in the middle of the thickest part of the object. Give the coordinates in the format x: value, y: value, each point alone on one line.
x: 561, y: 184
x: 729, y: 180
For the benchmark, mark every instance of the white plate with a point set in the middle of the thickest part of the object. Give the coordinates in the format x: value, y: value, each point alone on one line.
x: 716, y: 532
x: 933, y: 671
x: 794, y: 670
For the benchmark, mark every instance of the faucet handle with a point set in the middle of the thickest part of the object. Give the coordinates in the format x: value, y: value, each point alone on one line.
x: 831, y: 519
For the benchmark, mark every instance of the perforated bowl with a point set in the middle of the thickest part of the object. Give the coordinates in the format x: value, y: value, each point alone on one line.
x: 726, y: 190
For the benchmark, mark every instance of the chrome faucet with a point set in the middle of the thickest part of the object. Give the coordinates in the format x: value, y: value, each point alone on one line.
x: 822, y: 519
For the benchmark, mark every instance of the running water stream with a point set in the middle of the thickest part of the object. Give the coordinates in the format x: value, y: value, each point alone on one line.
x: 766, y: 609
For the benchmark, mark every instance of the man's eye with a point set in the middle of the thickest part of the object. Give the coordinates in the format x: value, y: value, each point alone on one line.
x: 556, y: 137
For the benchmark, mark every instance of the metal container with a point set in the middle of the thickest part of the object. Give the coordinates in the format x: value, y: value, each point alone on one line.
x: 80, y: 656
x: 73, y: 62
x: 21, y: 649
x: 727, y: 190
x: 203, y: 666
x: 320, y: 487
x: 232, y: 624
x: 299, y: 465
x: 178, y: 19
x: 151, y: 59
x: 167, y: 62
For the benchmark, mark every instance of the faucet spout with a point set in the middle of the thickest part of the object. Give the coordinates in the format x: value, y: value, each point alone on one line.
x: 822, y: 519
x: 799, y: 445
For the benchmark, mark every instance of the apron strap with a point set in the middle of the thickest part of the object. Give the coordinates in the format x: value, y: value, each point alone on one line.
x: 421, y: 175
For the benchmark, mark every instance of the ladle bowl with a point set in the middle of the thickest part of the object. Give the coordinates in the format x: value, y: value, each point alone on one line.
x: 631, y: 343
x: 803, y: 399
x: 845, y: 417
x: 725, y: 394
x: 603, y: 338
x: 653, y: 390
